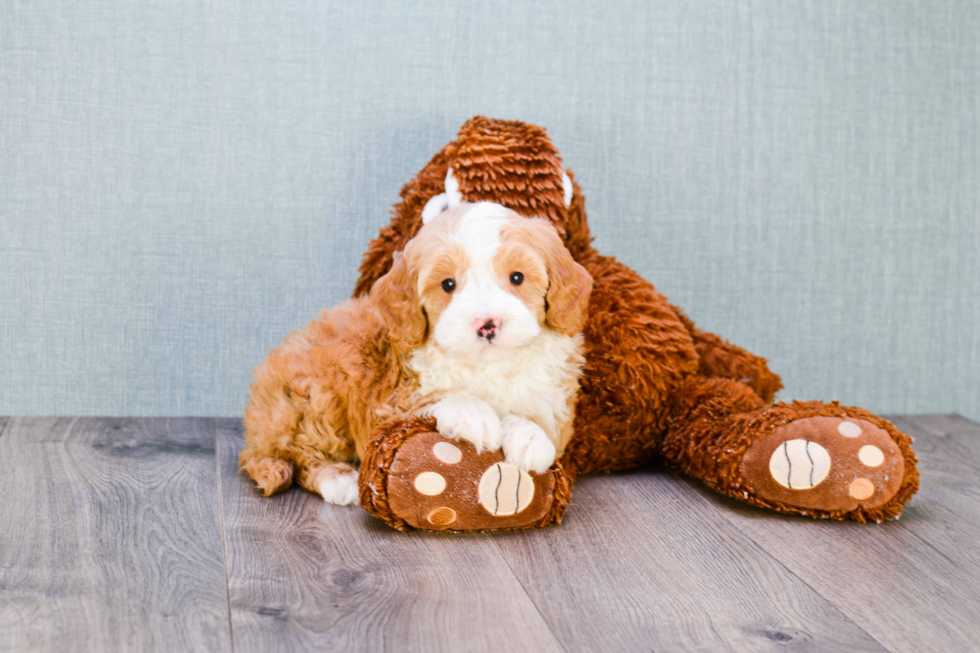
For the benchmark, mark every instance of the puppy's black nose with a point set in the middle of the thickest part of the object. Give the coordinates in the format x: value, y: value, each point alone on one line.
x: 487, y: 330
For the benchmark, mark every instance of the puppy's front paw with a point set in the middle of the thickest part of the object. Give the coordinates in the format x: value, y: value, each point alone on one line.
x: 337, y: 484
x: 526, y: 445
x: 467, y: 419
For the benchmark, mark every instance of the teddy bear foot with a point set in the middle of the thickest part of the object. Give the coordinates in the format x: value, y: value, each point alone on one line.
x: 429, y: 482
x: 833, y: 465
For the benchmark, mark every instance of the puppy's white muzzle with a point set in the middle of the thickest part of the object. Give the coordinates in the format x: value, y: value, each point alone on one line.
x: 484, y: 320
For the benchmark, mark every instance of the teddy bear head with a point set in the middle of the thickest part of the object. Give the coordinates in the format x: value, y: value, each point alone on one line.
x: 504, y: 161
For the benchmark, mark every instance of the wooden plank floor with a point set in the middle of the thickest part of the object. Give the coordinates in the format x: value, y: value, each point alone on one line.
x: 140, y: 535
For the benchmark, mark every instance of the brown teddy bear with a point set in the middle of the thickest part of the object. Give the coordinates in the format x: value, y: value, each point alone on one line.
x: 654, y: 386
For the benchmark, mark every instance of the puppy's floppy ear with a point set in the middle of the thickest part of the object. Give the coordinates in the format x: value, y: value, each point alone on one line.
x: 569, y: 284
x: 396, y: 297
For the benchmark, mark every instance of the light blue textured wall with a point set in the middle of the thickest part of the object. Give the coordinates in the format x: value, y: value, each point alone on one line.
x: 182, y: 182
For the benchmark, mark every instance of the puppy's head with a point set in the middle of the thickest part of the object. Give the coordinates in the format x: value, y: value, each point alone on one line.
x: 480, y: 281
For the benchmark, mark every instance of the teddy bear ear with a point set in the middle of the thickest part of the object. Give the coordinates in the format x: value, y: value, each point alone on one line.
x: 447, y: 200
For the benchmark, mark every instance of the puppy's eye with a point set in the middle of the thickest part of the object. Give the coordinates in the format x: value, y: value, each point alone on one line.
x: 449, y: 285
x: 516, y: 278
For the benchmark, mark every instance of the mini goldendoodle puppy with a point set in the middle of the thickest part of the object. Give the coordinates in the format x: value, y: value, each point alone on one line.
x: 477, y: 324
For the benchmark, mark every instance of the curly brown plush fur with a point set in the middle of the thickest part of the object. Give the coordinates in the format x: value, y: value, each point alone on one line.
x: 654, y: 385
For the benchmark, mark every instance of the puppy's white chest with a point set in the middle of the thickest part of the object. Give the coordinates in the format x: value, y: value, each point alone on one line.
x: 534, y: 381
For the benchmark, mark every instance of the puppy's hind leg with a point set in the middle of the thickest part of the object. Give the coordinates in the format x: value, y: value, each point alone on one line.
x: 335, y: 482
x: 270, y: 474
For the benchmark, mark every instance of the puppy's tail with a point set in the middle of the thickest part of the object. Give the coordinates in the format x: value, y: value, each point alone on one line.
x: 270, y: 474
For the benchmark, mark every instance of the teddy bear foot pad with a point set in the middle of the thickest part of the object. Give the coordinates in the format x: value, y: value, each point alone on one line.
x: 825, y: 463
x: 439, y: 484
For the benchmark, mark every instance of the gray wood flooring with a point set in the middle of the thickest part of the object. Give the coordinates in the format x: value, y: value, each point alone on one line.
x: 140, y: 535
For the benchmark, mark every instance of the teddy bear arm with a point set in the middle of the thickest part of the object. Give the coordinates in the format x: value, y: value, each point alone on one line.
x: 637, y: 353
x: 411, y: 476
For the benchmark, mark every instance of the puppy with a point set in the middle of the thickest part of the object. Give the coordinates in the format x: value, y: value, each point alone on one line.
x: 477, y: 325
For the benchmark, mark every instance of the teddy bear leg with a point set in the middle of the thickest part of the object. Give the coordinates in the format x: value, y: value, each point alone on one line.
x: 413, y: 477
x: 808, y: 458
x: 719, y: 358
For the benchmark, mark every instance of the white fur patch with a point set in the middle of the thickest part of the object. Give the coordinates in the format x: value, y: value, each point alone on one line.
x: 526, y: 445
x: 443, y: 201
x: 466, y: 418
x: 452, y: 189
x: 339, y: 489
x: 566, y: 183
x: 436, y: 205
x: 479, y: 234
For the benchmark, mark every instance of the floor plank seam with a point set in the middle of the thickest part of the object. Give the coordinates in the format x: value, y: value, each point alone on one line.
x: 221, y: 525
x: 554, y: 635
x: 779, y: 562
